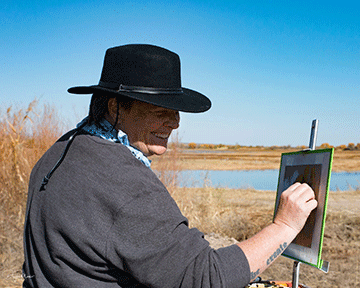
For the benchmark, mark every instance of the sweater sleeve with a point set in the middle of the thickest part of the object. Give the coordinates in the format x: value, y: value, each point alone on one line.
x: 151, y: 240
x: 225, y: 267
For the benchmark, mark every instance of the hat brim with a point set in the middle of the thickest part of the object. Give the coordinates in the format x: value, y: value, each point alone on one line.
x: 188, y: 101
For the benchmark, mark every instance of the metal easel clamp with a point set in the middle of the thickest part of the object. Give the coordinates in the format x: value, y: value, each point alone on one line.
x: 325, y: 266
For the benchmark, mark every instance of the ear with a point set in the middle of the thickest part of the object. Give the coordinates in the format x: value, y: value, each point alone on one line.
x: 112, y: 106
x: 112, y: 112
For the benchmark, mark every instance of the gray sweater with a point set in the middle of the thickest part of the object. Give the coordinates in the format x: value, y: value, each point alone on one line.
x: 105, y: 220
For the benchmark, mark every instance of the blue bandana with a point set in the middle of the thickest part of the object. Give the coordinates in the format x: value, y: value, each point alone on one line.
x: 107, y: 132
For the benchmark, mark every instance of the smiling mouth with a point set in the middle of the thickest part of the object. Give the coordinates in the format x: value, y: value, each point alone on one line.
x: 162, y: 135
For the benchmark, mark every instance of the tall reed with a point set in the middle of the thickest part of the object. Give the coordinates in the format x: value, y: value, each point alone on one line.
x: 25, y: 134
x: 168, y: 166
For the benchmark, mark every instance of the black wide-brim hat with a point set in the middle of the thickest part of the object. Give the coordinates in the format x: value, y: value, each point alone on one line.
x: 146, y: 73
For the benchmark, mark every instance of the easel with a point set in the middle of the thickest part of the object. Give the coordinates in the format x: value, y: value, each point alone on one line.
x: 326, y: 264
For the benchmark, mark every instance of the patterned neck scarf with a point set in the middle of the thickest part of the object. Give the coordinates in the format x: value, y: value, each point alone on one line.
x: 106, y: 131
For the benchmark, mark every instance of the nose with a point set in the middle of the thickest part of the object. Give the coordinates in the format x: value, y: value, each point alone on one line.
x: 173, y: 120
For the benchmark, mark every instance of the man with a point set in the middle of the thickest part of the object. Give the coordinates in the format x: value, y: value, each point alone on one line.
x: 97, y: 216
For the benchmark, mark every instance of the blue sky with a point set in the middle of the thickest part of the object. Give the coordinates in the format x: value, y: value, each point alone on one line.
x: 269, y: 67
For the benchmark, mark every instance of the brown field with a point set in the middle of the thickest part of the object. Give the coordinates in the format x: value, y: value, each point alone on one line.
x: 232, y: 213
x: 255, y: 159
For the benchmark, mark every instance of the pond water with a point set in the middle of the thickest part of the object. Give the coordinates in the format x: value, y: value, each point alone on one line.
x: 257, y: 179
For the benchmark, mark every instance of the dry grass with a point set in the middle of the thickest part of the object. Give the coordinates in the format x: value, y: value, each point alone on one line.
x: 168, y: 165
x: 27, y: 133
x: 225, y: 211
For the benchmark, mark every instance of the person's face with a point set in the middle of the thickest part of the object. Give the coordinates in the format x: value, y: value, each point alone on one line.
x: 148, y: 127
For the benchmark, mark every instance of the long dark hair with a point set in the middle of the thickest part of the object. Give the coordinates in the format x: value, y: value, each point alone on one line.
x: 99, y: 106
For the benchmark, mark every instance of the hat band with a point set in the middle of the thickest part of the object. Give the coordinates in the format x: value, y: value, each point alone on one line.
x: 139, y: 89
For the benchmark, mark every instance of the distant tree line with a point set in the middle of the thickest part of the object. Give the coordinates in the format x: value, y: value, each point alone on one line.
x: 192, y: 145
x: 350, y: 146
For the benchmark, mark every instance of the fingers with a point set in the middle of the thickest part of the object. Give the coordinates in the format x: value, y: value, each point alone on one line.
x: 304, y: 196
x: 295, y: 205
x: 294, y: 186
x: 312, y: 204
x: 300, y: 193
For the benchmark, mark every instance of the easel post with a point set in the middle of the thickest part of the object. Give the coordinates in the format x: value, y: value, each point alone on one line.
x: 312, y: 146
x: 296, y: 270
x: 313, y: 135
